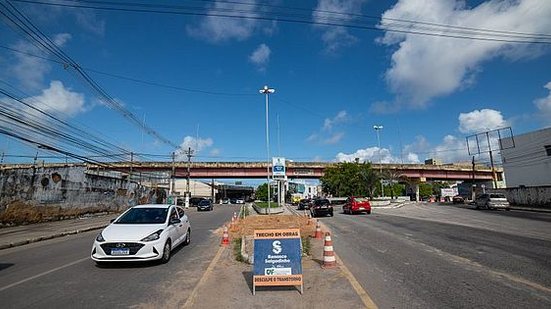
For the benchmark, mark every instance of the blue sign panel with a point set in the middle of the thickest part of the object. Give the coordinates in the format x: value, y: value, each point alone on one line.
x: 277, y: 258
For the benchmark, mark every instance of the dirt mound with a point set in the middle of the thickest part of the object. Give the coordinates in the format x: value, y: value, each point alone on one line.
x: 17, y: 213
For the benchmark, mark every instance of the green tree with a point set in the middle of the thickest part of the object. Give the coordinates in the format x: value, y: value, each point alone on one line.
x: 346, y: 179
x: 261, y: 192
x: 393, y: 176
x: 425, y: 189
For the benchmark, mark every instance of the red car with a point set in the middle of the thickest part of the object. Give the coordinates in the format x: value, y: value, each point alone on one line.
x: 356, y: 204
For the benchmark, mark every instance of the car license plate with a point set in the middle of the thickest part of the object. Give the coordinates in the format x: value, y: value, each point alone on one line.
x: 361, y: 208
x: 323, y: 207
x: 120, y: 251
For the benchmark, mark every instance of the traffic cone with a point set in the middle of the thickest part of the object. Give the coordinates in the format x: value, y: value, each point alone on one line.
x: 225, y: 237
x: 329, y: 260
x: 318, y: 230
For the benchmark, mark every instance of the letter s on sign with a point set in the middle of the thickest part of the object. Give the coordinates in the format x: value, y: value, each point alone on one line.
x: 276, y: 247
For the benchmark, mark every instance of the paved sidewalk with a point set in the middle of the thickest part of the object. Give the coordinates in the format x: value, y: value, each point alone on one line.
x: 26, y: 234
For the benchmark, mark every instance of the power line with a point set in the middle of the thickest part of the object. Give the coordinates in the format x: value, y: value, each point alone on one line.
x: 36, y: 37
x: 412, y: 27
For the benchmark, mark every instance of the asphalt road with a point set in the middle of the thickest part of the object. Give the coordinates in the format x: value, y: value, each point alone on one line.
x: 428, y: 256
x: 60, y: 274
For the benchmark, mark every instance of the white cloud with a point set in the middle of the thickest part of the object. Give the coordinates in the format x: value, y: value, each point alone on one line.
x: 221, y: 29
x: 326, y: 135
x: 58, y: 100
x: 196, y: 144
x: 451, y: 149
x: 481, y: 120
x: 544, y: 106
x: 89, y: 21
x: 29, y: 70
x: 336, y: 37
x: 334, y: 138
x: 261, y: 56
x: 215, y: 152
x: 425, y: 67
x: 61, y: 38
x: 341, y: 117
x: 372, y: 154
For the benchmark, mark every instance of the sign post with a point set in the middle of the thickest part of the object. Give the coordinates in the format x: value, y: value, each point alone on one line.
x: 277, y: 258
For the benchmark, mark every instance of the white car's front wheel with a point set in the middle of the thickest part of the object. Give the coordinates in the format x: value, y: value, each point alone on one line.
x: 166, y: 252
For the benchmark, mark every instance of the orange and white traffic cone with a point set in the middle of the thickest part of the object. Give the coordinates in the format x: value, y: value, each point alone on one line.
x: 225, y: 237
x: 329, y: 260
x: 318, y: 230
x: 232, y: 223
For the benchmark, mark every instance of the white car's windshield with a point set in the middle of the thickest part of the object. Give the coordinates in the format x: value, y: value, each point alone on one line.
x: 143, y: 216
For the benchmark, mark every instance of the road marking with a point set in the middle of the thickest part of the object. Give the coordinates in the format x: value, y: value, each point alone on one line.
x: 193, y: 295
x: 43, y: 274
x: 366, y: 299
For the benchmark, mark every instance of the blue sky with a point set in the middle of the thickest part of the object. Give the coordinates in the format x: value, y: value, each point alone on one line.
x: 333, y: 83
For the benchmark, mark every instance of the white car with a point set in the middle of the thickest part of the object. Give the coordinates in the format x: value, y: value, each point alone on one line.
x: 143, y: 233
x: 240, y: 201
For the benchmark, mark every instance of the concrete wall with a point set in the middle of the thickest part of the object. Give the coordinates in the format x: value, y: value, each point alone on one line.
x: 530, y: 196
x: 71, y: 186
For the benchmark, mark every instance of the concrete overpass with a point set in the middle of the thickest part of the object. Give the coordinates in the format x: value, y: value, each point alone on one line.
x: 305, y: 170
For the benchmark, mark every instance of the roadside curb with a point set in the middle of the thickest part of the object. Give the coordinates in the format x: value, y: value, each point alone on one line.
x: 399, y: 205
x: 52, y: 236
x: 542, y: 210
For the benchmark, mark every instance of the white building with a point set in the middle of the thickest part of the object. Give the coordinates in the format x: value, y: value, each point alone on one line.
x: 528, y: 163
x: 304, y: 188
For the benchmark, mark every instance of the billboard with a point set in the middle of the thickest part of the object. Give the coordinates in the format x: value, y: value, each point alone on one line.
x: 278, y: 167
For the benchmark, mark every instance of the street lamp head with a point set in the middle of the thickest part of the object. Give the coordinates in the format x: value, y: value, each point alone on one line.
x: 266, y: 90
x: 376, y: 127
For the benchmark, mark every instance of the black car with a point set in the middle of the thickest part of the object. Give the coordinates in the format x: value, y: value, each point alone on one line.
x: 194, y: 201
x: 321, y: 207
x: 205, y: 205
x: 304, y: 204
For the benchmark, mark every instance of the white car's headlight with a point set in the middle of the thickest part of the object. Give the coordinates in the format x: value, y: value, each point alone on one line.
x: 100, y: 238
x: 153, y: 236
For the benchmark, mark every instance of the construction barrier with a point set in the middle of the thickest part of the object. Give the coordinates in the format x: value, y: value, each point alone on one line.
x: 318, y: 230
x: 225, y: 237
x: 329, y: 260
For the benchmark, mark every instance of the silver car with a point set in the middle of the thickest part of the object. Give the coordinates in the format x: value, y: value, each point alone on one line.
x: 492, y: 201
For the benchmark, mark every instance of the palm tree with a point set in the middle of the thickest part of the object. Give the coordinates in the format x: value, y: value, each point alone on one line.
x: 393, y: 175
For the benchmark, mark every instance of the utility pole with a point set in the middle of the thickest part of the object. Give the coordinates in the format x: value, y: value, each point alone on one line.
x: 172, y: 176
x: 473, y: 186
x: 131, y: 165
x: 377, y: 129
x: 189, y: 154
x: 491, y: 161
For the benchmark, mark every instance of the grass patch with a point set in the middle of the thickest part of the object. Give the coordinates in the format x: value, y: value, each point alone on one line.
x: 18, y: 213
x: 245, y: 211
x: 265, y: 204
x: 237, y: 250
x: 306, y: 246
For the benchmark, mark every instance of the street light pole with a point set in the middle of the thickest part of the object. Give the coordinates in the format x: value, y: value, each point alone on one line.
x: 377, y: 129
x: 267, y: 91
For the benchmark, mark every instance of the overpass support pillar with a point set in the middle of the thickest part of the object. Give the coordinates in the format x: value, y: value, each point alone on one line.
x: 416, y: 190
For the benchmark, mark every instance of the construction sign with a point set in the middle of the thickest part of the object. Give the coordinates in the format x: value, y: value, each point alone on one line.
x: 277, y: 258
